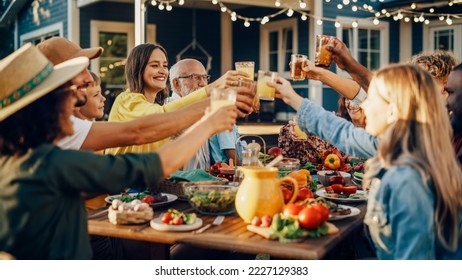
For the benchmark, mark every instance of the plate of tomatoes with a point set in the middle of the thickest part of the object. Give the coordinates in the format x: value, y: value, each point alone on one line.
x: 155, y: 201
x: 344, y: 196
x: 174, y: 220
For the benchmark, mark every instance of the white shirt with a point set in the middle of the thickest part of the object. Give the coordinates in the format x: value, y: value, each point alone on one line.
x: 75, y: 141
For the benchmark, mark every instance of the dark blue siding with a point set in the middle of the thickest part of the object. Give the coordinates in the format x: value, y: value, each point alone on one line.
x: 58, y: 13
x: 394, y: 37
x: 417, y: 40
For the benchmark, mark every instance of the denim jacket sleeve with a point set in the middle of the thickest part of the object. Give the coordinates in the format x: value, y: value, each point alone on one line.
x: 339, y: 132
x: 409, y: 204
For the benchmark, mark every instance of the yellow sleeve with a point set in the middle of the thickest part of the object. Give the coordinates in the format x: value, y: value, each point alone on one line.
x: 186, y: 101
x: 130, y: 106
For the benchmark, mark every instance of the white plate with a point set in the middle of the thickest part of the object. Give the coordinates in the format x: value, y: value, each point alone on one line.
x: 170, y: 198
x: 354, y: 211
x: 322, y: 193
x: 158, y: 225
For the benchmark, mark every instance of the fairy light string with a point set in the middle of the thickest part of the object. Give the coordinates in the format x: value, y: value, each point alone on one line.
x: 415, y: 12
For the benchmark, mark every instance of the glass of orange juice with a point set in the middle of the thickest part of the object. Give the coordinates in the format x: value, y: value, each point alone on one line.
x: 265, y: 92
x: 247, y: 67
x: 221, y: 97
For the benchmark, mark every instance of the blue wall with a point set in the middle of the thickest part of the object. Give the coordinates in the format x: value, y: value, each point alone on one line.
x: 58, y: 13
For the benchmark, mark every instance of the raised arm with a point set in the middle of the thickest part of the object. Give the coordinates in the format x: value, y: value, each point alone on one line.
x: 345, y: 61
x: 176, y: 153
x: 144, y: 130
x: 344, y: 86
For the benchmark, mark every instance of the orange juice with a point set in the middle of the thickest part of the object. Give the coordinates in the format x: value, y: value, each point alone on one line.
x: 247, y: 67
x: 264, y: 91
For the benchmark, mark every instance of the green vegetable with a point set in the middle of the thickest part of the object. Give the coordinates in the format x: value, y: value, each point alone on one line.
x: 310, y: 167
x: 213, y: 201
x: 276, y: 224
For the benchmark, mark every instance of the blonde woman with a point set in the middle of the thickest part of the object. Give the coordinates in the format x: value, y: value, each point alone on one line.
x: 414, y: 209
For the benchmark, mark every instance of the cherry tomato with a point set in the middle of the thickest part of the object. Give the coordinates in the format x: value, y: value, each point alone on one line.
x: 292, y: 209
x: 349, y: 190
x: 256, y: 221
x: 287, y: 194
x: 266, y: 221
x: 177, y: 221
x: 323, y: 210
x: 304, y: 193
x: 337, y: 188
x: 149, y: 199
x: 166, y: 218
x: 310, y: 218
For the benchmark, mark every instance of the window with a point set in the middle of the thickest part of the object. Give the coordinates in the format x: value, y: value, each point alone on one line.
x: 439, y: 36
x: 37, y: 36
x: 278, y: 40
x: 368, y: 43
x: 117, y: 39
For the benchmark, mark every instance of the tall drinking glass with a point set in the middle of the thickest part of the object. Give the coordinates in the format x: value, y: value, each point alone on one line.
x: 221, y: 97
x: 323, y: 56
x: 297, y: 61
x: 264, y: 91
x: 247, y: 67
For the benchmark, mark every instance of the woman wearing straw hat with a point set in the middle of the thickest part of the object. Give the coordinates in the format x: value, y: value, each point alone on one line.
x: 42, y: 214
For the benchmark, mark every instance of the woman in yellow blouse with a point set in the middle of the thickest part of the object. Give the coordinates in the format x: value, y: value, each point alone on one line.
x: 146, y: 72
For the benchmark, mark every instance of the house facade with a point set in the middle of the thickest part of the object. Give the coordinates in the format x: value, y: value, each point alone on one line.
x: 219, y: 33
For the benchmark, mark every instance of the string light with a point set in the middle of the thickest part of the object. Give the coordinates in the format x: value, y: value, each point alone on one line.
x: 403, y: 13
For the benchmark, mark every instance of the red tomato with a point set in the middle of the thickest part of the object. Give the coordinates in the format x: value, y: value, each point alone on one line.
x: 166, y: 218
x: 292, y: 209
x: 323, y: 210
x: 310, y: 218
x: 177, y: 221
x: 148, y: 199
x: 337, y: 188
x: 266, y: 221
x: 304, y: 193
x: 349, y: 189
x: 328, y: 189
x: 256, y: 221
x: 287, y: 194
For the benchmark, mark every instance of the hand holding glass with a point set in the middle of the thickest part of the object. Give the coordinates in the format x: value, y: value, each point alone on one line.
x: 264, y: 91
x: 297, y: 61
x: 247, y: 67
x: 323, y: 56
x: 221, y: 97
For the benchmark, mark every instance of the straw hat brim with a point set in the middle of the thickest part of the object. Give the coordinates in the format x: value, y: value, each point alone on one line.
x: 62, y: 73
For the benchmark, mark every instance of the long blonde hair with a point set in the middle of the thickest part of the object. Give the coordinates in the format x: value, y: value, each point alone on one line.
x: 421, y: 138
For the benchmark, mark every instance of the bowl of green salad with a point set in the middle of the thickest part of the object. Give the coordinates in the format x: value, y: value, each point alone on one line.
x: 212, y: 199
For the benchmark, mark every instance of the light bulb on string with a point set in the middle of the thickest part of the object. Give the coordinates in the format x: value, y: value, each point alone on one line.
x: 161, y: 6
x: 450, y: 5
x: 214, y: 2
x: 327, y: 1
x: 370, y: 8
x: 339, y: 6
x: 181, y: 2
x: 354, y: 8
x: 421, y: 18
x: 264, y: 20
x: 448, y: 20
x: 416, y: 19
x: 441, y: 18
x: 246, y: 23
x: 277, y: 3
x: 168, y: 7
x: 354, y: 24
x: 346, y: 2
x: 387, y: 14
x: 153, y: 2
x: 407, y: 19
x: 302, y: 4
x: 304, y: 17
x: 383, y: 11
x: 319, y: 21
x: 376, y: 21
x: 365, y: 6
x: 337, y: 24
x: 223, y: 9
x: 427, y: 21
x: 413, y: 6
x: 431, y: 10
x: 290, y: 12
x: 233, y: 16
x: 377, y: 14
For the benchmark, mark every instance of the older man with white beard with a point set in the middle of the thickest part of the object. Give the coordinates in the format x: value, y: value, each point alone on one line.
x: 186, y: 76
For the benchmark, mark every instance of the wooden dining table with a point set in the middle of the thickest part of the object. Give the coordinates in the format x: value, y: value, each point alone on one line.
x: 231, y: 235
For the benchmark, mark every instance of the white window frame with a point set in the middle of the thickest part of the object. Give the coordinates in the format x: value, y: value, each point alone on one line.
x: 265, y: 30
x: 383, y: 27
x: 429, y: 35
x: 98, y: 26
x: 42, y: 31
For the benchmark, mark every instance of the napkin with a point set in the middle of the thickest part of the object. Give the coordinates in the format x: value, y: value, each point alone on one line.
x: 193, y: 176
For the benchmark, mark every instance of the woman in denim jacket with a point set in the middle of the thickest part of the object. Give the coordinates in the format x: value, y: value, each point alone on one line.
x: 414, y: 209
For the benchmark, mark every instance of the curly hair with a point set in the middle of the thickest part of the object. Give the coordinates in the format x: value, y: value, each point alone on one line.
x: 136, y: 64
x: 439, y: 63
x: 36, y: 124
